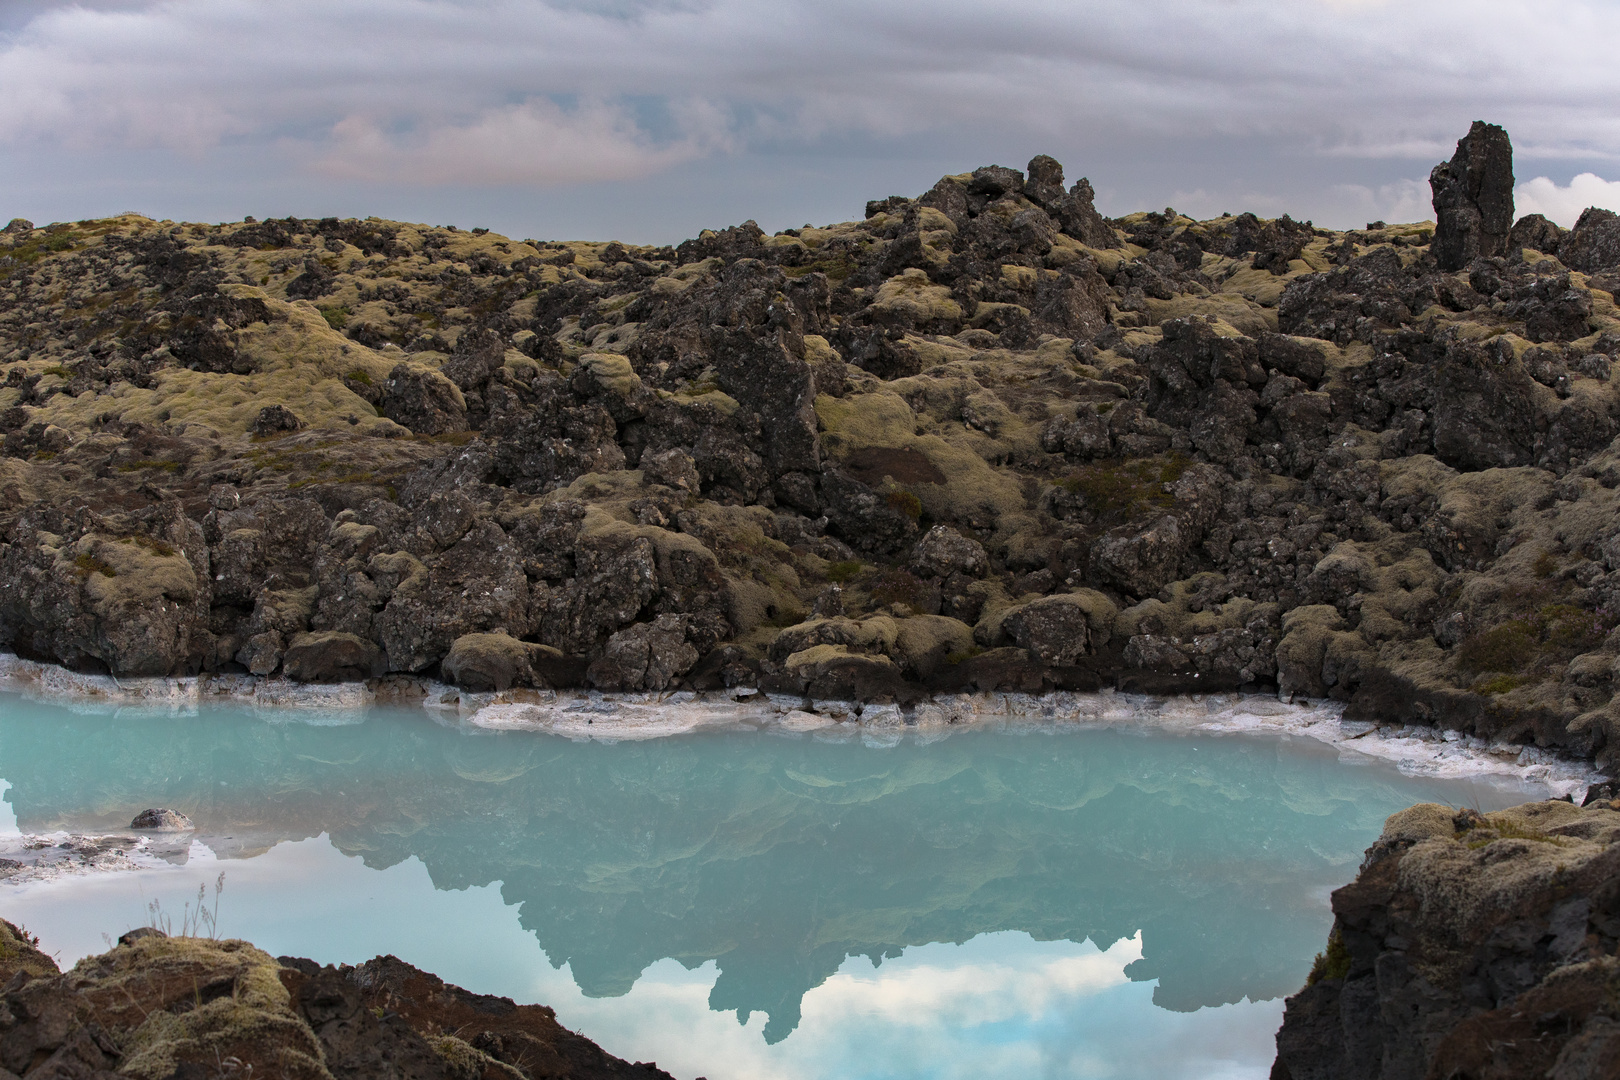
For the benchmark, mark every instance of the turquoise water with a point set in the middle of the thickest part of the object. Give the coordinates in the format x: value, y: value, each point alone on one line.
x: 1050, y: 902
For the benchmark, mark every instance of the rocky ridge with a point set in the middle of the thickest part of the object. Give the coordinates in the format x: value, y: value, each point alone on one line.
x: 188, y: 1008
x: 1478, y: 946
x: 983, y: 439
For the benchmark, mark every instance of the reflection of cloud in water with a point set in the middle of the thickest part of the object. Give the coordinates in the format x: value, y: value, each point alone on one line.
x: 998, y: 1005
x: 923, y: 993
x: 772, y: 860
x: 1002, y: 1004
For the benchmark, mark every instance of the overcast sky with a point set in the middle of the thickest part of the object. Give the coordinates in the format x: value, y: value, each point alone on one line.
x: 647, y: 120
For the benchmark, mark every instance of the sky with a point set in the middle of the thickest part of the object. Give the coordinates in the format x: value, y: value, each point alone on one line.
x: 649, y: 120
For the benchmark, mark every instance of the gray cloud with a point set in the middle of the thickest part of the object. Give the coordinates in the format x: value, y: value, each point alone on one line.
x: 1336, y: 106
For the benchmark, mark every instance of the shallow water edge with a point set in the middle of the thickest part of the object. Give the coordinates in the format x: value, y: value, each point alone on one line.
x: 613, y: 717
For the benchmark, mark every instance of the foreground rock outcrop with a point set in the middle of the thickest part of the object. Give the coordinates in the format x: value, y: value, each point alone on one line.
x: 166, y: 1008
x: 983, y: 439
x: 1470, y: 945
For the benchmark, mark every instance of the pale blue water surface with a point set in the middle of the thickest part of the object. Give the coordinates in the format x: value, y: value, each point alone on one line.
x: 1056, y: 902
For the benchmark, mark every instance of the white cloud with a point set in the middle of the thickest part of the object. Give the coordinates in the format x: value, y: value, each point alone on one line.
x: 1401, y: 202
x: 1564, y: 204
x: 935, y: 994
x: 472, y: 82
x: 533, y: 143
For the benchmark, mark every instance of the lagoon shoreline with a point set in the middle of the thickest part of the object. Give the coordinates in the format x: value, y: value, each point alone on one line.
x: 636, y: 716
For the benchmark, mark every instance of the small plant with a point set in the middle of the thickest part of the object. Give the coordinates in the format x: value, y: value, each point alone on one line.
x: 192, y: 921
x: 905, y: 502
x: 1119, y: 490
x: 1332, y: 964
x: 896, y: 586
x: 1545, y: 565
x: 843, y: 572
x: 1499, y: 684
x: 88, y: 564
x: 1518, y: 645
x: 152, y: 544
x: 336, y: 317
x: 359, y: 375
x: 1510, y: 830
x: 59, y: 371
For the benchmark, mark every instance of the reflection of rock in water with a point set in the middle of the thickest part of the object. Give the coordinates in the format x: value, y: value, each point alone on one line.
x: 777, y: 858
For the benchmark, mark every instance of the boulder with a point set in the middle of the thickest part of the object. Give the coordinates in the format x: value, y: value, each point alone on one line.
x: 159, y: 1006
x: 1535, y: 232
x: 868, y: 520
x: 19, y: 951
x: 424, y: 401
x: 484, y: 662
x: 943, y: 551
x: 834, y: 673
x: 1469, y: 944
x: 135, y: 602
x: 161, y: 820
x: 276, y: 419
x: 646, y: 656
x: 1054, y: 629
x: 1485, y: 407
x: 1473, y: 198
x: 331, y: 656
x: 1593, y: 245
x: 1307, y: 631
x: 673, y: 468
x: 1141, y: 559
x: 616, y: 580
x: 476, y: 585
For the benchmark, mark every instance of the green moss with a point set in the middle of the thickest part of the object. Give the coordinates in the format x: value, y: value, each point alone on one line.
x: 1504, y: 648
x: 963, y: 654
x: 336, y: 317
x: 151, y: 543
x: 845, y: 571
x: 905, y: 502
x: 1121, y: 490
x: 1332, y: 964
x: 836, y: 269
x: 1500, y: 684
x: 59, y: 371
x: 1524, y: 644
x: 88, y: 564
x: 361, y: 376
x: 896, y: 586
x: 1504, y: 828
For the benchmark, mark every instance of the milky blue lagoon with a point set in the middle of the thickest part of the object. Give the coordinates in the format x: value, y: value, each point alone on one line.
x: 1047, y: 902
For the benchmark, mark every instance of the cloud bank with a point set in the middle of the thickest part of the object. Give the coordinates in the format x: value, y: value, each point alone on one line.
x: 1564, y: 204
x: 489, y: 93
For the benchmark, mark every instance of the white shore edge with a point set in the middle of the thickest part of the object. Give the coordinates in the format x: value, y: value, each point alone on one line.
x: 597, y: 716
x: 27, y: 858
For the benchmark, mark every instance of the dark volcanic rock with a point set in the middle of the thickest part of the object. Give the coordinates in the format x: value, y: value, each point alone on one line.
x: 1470, y: 944
x: 1537, y: 233
x: 1473, y: 198
x: 1485, y: 407
x: 190, y: 1003
x: 1594, y: 243
x: 161, y: 819
x: 424, y: 401
x: 1262, y: 452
